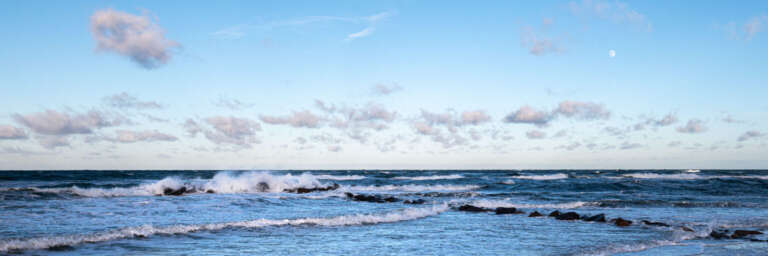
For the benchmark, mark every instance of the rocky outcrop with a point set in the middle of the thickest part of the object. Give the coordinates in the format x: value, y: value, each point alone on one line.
x: 652, y: 223
x: 415, y: 201
x: 175, y: 192
x: 621, y: 222
x: 568, y: 216
x: 306, y: 190
x: 535, y: 214
x: 554, y: 214
x: 596, y: 218
x: 507, y: 210
x: 472, y: 208
x: 371, y: 198
x: 744, y: 233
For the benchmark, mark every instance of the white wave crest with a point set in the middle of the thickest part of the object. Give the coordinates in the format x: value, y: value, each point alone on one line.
x: 223, y: 182
x: 499, y: 203
x: 339, y: 177
x: 542, y: 177
x: 149, y: 230
x: 435, y: 177
x: 690, y: 176
x: 413, y: 188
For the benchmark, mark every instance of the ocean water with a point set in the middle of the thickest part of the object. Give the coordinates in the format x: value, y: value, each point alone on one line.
x: 251, y: 212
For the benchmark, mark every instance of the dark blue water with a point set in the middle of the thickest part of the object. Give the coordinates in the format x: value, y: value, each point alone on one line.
x: 125, y: 212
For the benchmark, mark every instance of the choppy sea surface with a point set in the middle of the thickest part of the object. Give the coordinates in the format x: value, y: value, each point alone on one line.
x: 261, y: 212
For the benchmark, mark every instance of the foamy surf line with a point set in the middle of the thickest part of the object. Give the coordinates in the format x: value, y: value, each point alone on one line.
x: 689, y: 176
x: 412, y: 188
x: 149, y: 230
x: 496, y: 204
x: 542, y: 177
x: 435, y: 177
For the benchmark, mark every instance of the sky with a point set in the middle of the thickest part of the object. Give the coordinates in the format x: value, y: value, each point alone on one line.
x: 266, y: 85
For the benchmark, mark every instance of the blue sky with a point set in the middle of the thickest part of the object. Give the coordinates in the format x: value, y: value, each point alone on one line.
x: 403, y: 84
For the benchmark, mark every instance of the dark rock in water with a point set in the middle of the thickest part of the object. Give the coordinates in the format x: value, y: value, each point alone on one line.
x: 686, y: 229
x: 306, y: 190
x: 596, y: 218
x: 554, y: 214
x: 535, y: 214
x: 471, y: 208
x: 210, y: 191
x: 262, y: 187
x: 506, y: 210
x: 622, y: 222
x: 568, y: 216
x: 718, y: 235
x: 743, y: 233
x: 652, y: 223
x: 62, y: 247
x: 174, y: 192
x: 371, y: 198
x: 417, y: 201
x: 391, y: 199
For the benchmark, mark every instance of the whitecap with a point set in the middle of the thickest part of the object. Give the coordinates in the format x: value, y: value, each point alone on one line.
x: 500, y: 203
x: 339, y: 177
x: 435, y: 177
x: 149, y: 230
x: 412, y: 188
x: 542, y: 177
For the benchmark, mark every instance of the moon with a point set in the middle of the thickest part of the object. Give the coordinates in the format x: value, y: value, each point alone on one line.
x: 611, y: 53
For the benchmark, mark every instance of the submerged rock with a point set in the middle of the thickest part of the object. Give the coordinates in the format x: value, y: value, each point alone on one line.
x: 308, y: 190
x: 472, y: 208
x: 622, y: 222
x: 262, y: 187
x: 568, y: 216
x: 554, y: 214
x: 535, y: 214
x: 686, y: 229
x: 596, y: 218
x: 743, y: 233
x: 210, y: 191
x: 416, y: 201
x: 652, y: 223
x: 718, y: 235
x: 506, y: 210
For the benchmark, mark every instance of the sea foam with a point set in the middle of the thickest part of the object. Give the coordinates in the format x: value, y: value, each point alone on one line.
x: 435, y: 177
x: 149, y: 230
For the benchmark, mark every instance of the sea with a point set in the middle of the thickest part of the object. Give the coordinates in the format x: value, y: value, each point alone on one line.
x: 384, y: 212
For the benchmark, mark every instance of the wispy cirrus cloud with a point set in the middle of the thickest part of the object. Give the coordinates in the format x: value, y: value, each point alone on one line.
x: 136, y: 37
x: 615, y: 11
x: 386, y: 89
x: 370, y: 22
x: 125, y: 100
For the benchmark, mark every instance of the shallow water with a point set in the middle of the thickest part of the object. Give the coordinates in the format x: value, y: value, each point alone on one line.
x: 120, y: 212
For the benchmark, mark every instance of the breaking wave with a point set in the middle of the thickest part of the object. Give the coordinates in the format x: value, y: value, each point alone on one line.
x: 435, y: 177
x: 689, y: 176
x: 224, y: 182
x: 498, y: 203
x: 413, y: 188
x: 542, y: 177
x: 149, y: 230
x: 339, y: 177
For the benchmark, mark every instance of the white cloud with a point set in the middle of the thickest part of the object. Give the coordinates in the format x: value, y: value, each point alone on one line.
x: 528, y: 115
x: 362, y: 33
x: 750, y: 135
x: 615, y: 11
x: 301, y: 119
x: 125, y: 136
x: 125, y: 100
x: 534, y: 134
x: 582, y: 110
x: 693, y: 126
x: 8, y: 132
x: 136, y: 37
x: 53, y: 122
x: 386, y: 89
